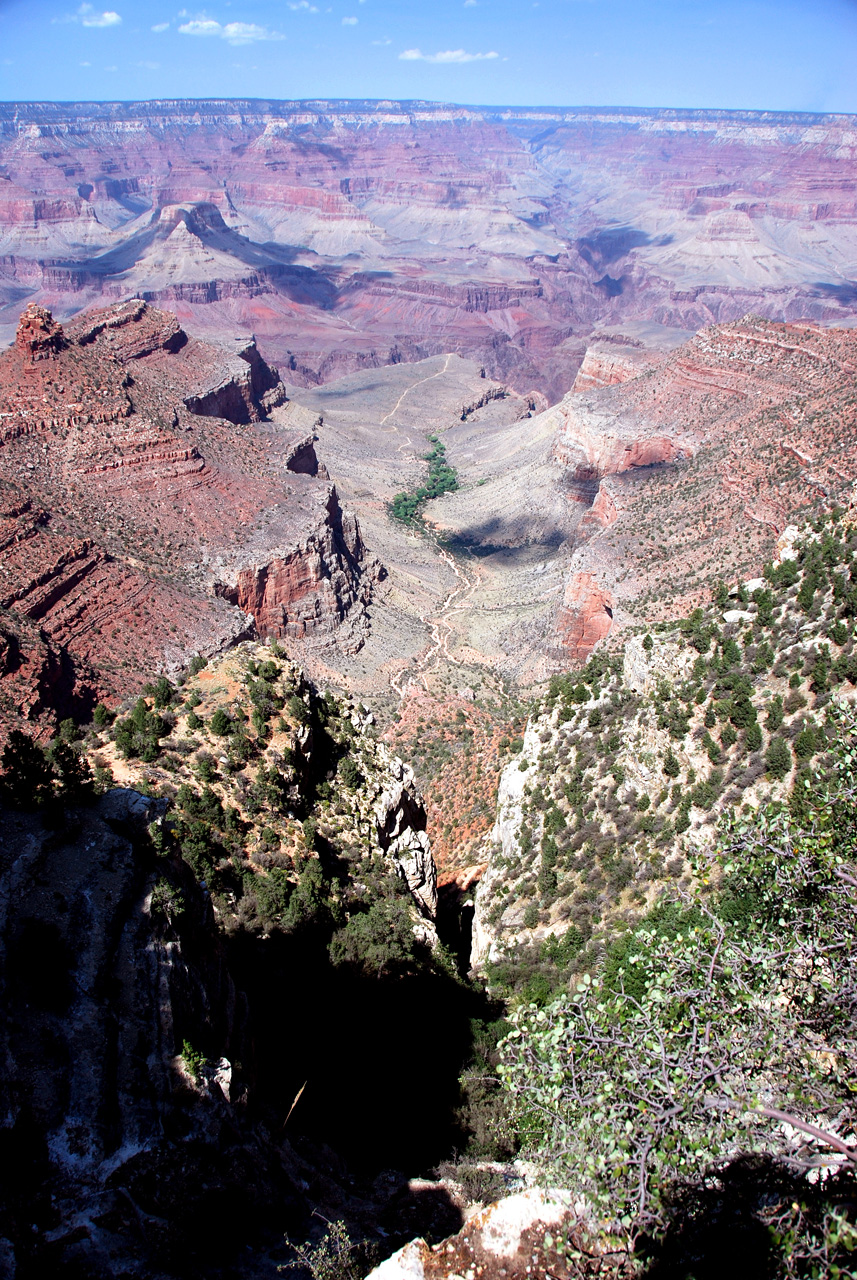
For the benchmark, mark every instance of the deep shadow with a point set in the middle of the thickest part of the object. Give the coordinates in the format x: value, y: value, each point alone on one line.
x: 455, y: 912
x: 845, y: 293
x: 722, y: 1229
x: 612, y: 288
x: 611, y: 243
x: 380, y: 1056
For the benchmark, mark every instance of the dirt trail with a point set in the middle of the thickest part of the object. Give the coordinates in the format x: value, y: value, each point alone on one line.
x: 413, y: 387
x: 438, y: 624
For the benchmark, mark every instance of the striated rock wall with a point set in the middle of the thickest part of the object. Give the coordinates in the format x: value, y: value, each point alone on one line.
x: 582, y: 218
x: 121, y: 486
x: 310, y: 588
x: 692, y: 468
x: 584, y: 619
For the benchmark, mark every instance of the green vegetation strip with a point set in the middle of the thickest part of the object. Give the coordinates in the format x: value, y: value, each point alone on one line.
x: 442, y: 478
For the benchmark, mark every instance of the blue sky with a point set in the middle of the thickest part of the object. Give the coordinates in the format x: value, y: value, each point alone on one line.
x: 789, y: 55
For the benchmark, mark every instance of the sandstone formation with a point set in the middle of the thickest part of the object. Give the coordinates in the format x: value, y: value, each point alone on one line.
x: 355, y: 234
x: 691, y: 469
x: 149, y: 509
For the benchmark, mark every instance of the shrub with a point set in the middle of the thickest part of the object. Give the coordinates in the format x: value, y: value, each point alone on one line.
x: 778, y: 758
x: 27, y: 778
x: 753, y: 738
x: 220, y: 723
x: 672, y: 768
x: 806, y: 744
x: 612, y: 1087
x: 377, y: 940
x: 350, y: 773
x: 775, y: 714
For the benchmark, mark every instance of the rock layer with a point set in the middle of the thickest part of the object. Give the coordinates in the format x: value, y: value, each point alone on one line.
x: 505, y: 234
x: 138, y: 471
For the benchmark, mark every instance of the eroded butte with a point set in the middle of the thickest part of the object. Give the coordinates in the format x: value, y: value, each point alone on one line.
x: 354, y: 234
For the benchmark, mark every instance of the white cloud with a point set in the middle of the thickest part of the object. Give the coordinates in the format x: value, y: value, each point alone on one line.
x: 89, y: 17
x: 470, y: 4
x: 447, y: 55
x: 149, y: 66
x: 236, y: 33
x: 382, y: 41
x: 80, y: 64
x: 161, y: 26
x: 349, y: 22
x: 297, y: 5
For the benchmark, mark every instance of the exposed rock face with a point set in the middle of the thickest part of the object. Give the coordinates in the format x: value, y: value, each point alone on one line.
x: 39, y: 336
x: 135, y: 463
x: 109, y: 965
x: 400, y: 818
x: 504, y: 847
x: 505, y: 234
x: 311, y: 587
x: 247, y: 393
x: 690, y: 470
x: 586, y: 616
x: 605, y: 364
x: 511, y: 1238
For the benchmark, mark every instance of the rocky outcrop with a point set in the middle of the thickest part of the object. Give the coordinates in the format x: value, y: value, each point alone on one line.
x: 116, y: 498
x: 247, y: 392
x: 513, y: 1238
x: 39, y: 336
x: 592, y: 444
x: 310, y: 588
x: 690, y: 470
x: 400, y: 818
x: 585, y: 617
x: 606, y: 364
x: 504, y: 848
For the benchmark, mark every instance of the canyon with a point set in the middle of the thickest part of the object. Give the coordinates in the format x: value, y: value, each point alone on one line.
x: 240, y: 336
x: 358, y: 234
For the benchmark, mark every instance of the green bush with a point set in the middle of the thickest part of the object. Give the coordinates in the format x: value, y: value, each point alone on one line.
x: 27, y: 777
x: 220, y: 723
x: 614, y: 1088
x: 806, y: 743
x: 349, y: 773
x: 778, y: 758
x: 379, y: 940
x: 774, y: 718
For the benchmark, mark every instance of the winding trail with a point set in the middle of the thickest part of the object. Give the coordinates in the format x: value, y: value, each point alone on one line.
x: 413, y: 387
x: 440, y: 629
